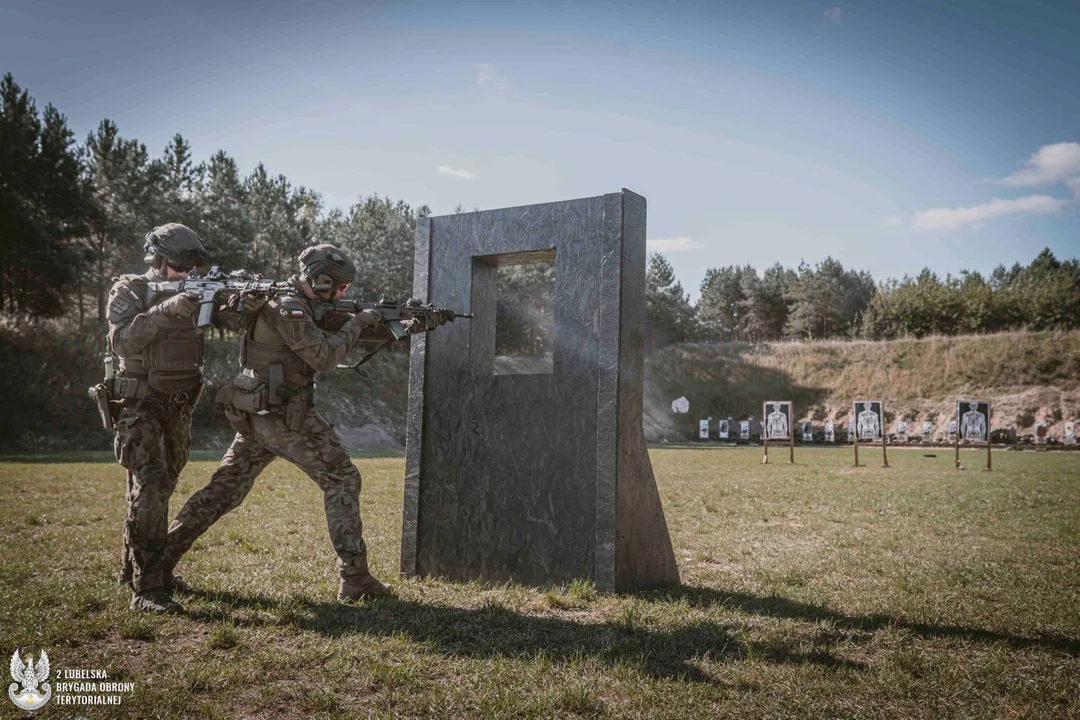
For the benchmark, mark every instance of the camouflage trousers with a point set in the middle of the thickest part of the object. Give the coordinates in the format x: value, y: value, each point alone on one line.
x: 151, y: 443
x: 315, y: 449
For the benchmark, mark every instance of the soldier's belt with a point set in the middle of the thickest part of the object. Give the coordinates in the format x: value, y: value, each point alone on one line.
x: 252, y: 394
x: 134, y: 388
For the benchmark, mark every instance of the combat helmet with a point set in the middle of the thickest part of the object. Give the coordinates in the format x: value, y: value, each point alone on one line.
x: 326, y: 268
x: 176, y: 244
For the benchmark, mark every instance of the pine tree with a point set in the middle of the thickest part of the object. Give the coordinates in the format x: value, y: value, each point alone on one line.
x: 43, y: 206
x: 226, y: 226
x: 721, y: 304
x: 379, y: 235
x: 668, y: 313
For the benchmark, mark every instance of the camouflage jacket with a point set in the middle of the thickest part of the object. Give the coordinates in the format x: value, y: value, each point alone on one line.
x: 133, y: 324
x: 295, y: 331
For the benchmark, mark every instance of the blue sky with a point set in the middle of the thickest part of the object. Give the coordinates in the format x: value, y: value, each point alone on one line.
x: 890, y: 135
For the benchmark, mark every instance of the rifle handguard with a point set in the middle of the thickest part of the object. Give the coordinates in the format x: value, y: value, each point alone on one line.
x: 393, y: 314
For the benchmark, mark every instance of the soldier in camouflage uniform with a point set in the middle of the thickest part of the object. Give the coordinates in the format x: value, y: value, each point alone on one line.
x: 270, y: 406
x: 158, y: 382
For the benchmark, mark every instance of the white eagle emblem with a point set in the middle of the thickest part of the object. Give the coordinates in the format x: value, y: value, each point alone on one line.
x: 30, y: 677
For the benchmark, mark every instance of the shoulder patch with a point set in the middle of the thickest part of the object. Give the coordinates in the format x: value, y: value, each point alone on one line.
x: 292, y: 312
x: 119, y: 305
x: 129, y: 283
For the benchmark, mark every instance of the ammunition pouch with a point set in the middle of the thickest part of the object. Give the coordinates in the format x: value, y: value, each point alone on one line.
x: 246, y: 396
x: 249, y: 394
x: 243, y: 397
x: 130, y: 388
x: 174, y: 364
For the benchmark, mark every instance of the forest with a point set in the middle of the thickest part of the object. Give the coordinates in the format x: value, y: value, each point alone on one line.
x: 73, y: 215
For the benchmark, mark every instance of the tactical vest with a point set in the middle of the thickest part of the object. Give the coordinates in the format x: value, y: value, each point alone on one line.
x: 266, y: 356
x: 172, y: 362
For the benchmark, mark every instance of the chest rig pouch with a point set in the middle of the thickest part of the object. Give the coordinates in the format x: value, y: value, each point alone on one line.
x: 283, y: 381
x: 174, y: 362
x: 250, y: 394
x: 171, y: 363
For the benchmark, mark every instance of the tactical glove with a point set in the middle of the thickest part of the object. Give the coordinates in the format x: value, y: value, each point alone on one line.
x: 252, y: 302
x: 419, y: 324
x: 370, y: 317
x: 182, y: 305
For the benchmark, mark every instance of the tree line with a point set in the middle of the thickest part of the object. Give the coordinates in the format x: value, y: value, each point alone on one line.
x: 828, y: 301
x: 73, y: 215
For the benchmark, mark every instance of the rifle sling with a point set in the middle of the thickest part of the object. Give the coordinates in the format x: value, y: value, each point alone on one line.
x: 373, y: 353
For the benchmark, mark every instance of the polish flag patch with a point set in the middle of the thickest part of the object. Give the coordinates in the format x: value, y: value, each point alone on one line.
x: 292, y: 313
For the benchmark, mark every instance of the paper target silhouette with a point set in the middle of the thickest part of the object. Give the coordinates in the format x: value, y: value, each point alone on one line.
x: 974, y: 416
x: 778, y: 420
x: 869, y: 419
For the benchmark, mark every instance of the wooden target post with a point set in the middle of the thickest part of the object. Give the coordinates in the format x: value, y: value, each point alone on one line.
x: 765, y: 432
x: 855, y: 436
x: 884, y: 440
x: 791, y: 434
x: 956, y: 440
x: 765, y: 444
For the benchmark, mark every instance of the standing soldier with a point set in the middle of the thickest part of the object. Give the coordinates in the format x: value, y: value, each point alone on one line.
x: 159, y: 381
x: 270, y: 407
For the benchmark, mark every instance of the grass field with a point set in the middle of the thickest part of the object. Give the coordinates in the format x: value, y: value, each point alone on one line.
x: 813, y: 590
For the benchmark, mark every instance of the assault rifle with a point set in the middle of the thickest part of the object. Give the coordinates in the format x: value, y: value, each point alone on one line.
x: 215, y: 282
x: 393, y: 314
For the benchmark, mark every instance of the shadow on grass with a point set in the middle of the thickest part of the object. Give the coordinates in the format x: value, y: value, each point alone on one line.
x: 780, y: 607
x: 494, y: 631
x: 92, y: 456
x: 106, y: 456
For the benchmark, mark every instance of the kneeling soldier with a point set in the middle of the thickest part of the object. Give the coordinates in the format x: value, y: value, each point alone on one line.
x: 270, y: 407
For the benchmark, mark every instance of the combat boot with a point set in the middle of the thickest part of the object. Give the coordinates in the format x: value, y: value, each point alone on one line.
x: 357, y: 582
x: 155, y: 601
x: 172, y: 582
x: 177, y: 583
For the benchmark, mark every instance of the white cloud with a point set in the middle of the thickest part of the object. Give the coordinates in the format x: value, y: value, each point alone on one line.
x: 487, y: 74
x: 672, y: 244
x: 1049, y: 165
x: 456, y: 172
x: 951, y: 218
x: 892, y: 221
x: 834, y: 14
